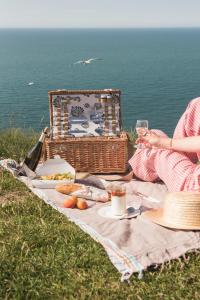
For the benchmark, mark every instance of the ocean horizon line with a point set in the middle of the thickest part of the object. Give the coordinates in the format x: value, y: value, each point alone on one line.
x: 102, y: 28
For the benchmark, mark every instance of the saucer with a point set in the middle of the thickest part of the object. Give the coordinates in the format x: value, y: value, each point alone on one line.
x: 106, y: 212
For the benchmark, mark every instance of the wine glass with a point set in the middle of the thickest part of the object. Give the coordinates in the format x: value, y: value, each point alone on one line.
x: 141, y: 128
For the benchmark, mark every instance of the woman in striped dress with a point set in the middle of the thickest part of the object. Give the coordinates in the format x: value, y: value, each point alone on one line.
x: 172, y: 160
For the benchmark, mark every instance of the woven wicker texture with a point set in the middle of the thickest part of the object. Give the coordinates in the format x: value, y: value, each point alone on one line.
x: 107, y: 153
x: 95, y: 154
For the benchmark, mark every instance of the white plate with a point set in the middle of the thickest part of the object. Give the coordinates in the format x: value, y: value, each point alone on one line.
x: 49, y: 184
x: 106, y: 212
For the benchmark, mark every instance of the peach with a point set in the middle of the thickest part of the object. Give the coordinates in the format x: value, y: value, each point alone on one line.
x: 81, y: 203
x: 70, y: 202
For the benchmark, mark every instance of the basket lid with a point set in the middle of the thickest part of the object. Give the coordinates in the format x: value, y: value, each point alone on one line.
x: 85, y: 113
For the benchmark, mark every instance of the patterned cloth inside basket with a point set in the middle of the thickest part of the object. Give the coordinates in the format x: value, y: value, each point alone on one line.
x: 85, y: 114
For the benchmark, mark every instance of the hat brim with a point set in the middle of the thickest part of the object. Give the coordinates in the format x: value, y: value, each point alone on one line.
x: 156, y: 216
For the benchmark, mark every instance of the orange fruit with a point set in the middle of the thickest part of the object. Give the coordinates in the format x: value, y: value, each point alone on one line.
x: 70, y: 202
x: 81, y: 203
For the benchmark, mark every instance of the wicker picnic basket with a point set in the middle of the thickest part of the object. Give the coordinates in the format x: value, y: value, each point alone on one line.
x: 74, y: 114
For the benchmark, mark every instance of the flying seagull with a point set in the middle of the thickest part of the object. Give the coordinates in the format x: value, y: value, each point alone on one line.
x: 87, y: 61
x: 31, y: 83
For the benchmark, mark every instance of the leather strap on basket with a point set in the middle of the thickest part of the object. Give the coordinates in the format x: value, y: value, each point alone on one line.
x: 110, y: 115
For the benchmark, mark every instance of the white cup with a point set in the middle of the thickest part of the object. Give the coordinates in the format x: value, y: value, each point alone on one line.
x: 118, y: 200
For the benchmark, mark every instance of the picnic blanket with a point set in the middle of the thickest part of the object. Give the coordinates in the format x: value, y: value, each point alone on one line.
x: 134, y: 244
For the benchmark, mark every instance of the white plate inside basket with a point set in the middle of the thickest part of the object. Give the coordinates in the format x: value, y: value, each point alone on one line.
x: 106, y: 212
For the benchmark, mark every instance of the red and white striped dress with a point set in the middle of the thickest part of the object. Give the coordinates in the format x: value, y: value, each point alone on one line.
x: 178, y: 170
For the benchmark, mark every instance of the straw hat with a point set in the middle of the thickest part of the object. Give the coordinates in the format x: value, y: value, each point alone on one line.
x: 181, y: 210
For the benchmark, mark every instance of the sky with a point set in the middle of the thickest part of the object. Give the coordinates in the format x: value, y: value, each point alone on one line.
x: 99, y: 13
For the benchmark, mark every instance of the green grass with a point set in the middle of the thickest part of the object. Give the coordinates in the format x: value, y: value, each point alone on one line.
x: 14, y: 142
x: 44, y: 256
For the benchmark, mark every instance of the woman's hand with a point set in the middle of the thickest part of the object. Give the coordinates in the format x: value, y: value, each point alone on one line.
x: 186, y: 144
x: 151, y: 139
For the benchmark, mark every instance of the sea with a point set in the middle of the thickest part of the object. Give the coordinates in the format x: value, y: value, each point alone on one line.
x: 157, y: 70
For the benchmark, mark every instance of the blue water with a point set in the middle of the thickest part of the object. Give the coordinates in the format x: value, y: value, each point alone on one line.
x: 158, y: 71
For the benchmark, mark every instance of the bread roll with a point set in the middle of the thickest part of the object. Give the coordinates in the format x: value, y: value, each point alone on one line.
x: 68, y: 188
